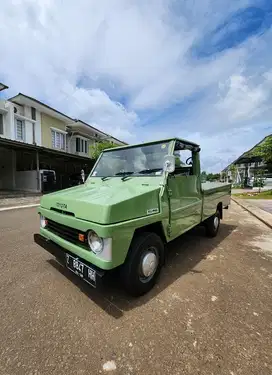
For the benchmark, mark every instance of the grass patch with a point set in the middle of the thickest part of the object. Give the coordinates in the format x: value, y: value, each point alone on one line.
x: 254, y: 195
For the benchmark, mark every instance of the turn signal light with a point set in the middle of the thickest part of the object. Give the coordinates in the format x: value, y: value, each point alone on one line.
x: 81, y: 237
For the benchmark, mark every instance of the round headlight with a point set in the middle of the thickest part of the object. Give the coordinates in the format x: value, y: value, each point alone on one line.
x: 95, y: 242
x: 43, y: 221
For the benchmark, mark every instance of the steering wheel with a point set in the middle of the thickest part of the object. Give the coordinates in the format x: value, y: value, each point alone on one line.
x: 189, y: 162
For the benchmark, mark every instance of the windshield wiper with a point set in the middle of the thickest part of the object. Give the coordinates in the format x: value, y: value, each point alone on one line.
x: 104, y: 178
x: 150, y: 170
x: 124, y: 174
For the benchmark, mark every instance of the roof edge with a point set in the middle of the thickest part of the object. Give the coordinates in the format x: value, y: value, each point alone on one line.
x: 241, y: 156
x: 13, y: 99
x: 4, y: 87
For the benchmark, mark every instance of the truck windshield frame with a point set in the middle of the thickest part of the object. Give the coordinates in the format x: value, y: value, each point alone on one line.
x: 138, y: 161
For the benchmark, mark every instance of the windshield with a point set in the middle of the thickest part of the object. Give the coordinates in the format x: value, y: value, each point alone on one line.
x: 141, y: 160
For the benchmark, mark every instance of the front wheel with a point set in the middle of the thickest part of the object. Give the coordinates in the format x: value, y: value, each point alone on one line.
x: 143, y: 264
x: 212, y: 225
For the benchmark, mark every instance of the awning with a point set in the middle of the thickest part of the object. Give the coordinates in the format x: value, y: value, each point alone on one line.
x: 15, y: 145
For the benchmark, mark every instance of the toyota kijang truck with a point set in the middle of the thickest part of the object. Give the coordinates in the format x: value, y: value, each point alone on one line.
x: 136, y: 200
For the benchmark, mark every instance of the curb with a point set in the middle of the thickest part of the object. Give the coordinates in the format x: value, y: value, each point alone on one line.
x: 18, y: 207
x: 263, y: 216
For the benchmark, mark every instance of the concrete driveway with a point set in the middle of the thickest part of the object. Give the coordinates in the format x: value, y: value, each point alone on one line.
x: 209, y: 314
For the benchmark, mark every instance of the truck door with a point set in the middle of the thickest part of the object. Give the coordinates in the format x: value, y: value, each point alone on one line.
x: 185, y: 195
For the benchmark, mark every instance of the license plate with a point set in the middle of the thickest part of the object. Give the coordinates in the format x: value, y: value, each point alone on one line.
x: 80, y: 269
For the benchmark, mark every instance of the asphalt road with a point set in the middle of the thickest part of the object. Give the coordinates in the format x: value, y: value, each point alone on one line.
x: 210, y: 313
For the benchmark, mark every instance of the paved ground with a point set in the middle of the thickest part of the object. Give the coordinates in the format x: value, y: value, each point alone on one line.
x: 10, y: 202
x: 264, y: 204
x: 210, y: 313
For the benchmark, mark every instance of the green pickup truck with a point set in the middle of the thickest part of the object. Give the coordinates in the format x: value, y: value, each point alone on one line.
x: 136, y: 199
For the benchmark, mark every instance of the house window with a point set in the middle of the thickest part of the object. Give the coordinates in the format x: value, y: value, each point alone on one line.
x: 81, y: 145
x: 33, y: 133
x: 58, y: 140
x: 1, y: 124
x: 77, y: 144
x: 20, y: 130
x: 33, y: 113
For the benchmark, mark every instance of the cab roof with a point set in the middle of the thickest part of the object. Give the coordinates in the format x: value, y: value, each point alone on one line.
x: 183, y: 141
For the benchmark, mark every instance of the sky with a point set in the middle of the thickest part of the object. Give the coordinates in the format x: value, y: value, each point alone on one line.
x: 145, y: 70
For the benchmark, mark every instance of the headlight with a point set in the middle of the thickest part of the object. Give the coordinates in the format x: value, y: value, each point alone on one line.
x: 43, y: 221
x: 95, y: 242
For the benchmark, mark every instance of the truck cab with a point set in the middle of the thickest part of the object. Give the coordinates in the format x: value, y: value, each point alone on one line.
x: 135, y: 200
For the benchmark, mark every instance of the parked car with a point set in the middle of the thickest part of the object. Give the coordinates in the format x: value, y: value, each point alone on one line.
x: 134, y: 202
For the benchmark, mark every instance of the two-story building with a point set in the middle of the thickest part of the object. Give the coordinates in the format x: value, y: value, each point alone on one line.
x: 35, y: 138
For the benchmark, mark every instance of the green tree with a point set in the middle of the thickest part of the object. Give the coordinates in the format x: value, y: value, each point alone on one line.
x: 213, y: 177
x: 203, y: 176
x: 209, y: 177
x: 98, y: 147
x: 223, y: 176
x: 259, y: 180
x: 264, y: 150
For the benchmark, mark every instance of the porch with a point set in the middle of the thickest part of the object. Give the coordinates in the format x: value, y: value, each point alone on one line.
x: 26, y: 168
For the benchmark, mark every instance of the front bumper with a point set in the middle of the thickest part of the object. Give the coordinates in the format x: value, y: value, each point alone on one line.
x: 60, y: 254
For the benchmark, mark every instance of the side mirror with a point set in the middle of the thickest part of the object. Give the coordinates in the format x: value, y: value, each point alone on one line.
x: 169, y: 163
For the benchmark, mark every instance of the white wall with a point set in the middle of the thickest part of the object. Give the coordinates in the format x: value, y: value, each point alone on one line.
x: 3, y: 113
x: 28, y: 127
x: 10, y: 121
x: 26, y: 180
x: 19, y: 109
x: 38, y: 129
x: 71, y: 144
x: 7, y: 119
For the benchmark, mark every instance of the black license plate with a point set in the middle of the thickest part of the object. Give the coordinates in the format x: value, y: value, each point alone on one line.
x: 81, y: 269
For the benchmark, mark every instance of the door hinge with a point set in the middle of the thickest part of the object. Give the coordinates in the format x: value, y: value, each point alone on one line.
x: 169, y: 230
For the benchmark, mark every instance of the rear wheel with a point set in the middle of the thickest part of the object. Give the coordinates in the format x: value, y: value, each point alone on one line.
x: 143, y: 264
x: 212, y: 225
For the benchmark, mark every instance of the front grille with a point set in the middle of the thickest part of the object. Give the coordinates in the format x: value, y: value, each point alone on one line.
x: 67, y: 233
x: 68, y: 213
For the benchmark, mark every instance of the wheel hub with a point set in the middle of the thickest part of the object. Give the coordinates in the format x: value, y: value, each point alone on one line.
x: 215, y: 222
x: 149, y: 264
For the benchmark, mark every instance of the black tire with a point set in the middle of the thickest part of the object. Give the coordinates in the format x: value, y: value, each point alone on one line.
x: 134, y: 281
x: 212, y: 225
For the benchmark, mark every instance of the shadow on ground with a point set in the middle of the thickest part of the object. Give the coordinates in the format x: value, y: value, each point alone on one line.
x: 183, y: 254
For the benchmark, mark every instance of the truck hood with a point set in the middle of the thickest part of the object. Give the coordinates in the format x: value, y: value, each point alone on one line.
x: 108, y: 202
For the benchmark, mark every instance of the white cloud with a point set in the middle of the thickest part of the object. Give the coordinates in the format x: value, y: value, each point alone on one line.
x: 239, y: 101
x: 96, y: 105
x: 84, y: 57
